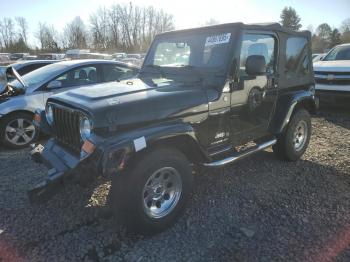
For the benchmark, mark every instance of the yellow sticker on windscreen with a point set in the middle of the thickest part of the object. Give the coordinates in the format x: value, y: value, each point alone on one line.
x: 218, y: 39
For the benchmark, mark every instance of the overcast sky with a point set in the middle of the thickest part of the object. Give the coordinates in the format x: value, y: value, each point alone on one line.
x: 187, y: 13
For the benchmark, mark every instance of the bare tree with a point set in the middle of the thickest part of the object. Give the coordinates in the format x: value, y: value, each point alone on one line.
x: 76, y: 33
x: 7, y: 32
x: 47, y: 36
x: 23, y: 28
x: 99, y: 28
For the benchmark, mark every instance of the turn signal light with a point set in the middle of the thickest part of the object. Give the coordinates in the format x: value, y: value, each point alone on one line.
x: 37, y: 118
x: 88, y: 147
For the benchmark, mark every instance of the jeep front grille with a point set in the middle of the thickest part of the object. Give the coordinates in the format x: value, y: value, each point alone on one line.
x: 66, y: 125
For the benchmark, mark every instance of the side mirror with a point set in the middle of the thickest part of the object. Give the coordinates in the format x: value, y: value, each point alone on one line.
x: 255, y: 65
x: 54, y: 84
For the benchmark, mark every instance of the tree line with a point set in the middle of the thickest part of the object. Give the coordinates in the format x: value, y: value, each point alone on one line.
x: 129, y: 28
x: 324, y: 37
x: 121, y: 27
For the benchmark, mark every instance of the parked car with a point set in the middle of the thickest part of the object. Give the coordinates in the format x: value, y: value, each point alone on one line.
x: 17, y: 56
x: 23, y: 96
x: 76, y: 53
x: 240, y: 84
x: 29, y: 57
x: 119, y: 56
x: 136, y: 56
x: 332, y: 76
x: 4, y: 57
x: 132, y: 61
x: 51, y: 56
x: 317, y: 57
x: 22, y: 67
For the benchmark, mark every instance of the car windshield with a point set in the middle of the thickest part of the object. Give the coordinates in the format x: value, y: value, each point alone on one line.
x: 338, y: 53
x: 40, y: 75
x: 202, y: 50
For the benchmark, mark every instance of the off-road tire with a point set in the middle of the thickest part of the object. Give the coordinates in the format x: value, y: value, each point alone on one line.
x: 284, y: 148
x: 127, y: 190
x: 10, y: 118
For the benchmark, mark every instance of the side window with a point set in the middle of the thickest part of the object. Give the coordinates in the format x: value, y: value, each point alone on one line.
x: 258, y: 44
x: 81, y: 76
x: 115, y: 73
x: 297, y: 60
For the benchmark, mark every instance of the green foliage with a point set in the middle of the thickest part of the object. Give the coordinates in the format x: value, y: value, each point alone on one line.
x: 290, y: 19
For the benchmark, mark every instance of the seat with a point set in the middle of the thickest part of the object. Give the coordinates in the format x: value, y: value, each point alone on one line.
x: 92, y: 76
x: 82, y: 75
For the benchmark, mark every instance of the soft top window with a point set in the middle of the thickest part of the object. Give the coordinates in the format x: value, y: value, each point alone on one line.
x: 297, y: 61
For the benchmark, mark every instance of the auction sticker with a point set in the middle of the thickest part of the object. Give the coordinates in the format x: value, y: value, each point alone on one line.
x: 218, y: 39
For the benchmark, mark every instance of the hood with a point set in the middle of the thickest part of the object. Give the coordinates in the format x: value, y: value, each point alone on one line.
x: 332, y: 66
x: 136, y: 101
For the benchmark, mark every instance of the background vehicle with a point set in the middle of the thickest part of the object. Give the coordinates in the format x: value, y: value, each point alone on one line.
x: 332, y: 76
x: 18, y: 102
x: 317, y: 57
x: 119, y: 56
x: 76, y: 53
x: 16, y: 56
x: 51, y: 56
x: 132, y: 61
x: 22, y: 67
x: 236, y: 90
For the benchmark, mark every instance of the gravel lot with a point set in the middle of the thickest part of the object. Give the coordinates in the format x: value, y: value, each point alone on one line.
x: 260, y: 209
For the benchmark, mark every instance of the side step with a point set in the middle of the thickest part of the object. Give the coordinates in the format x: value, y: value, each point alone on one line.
x: 240, y: 155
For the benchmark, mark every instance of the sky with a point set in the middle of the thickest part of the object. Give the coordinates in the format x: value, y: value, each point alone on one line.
x: 187, y: 13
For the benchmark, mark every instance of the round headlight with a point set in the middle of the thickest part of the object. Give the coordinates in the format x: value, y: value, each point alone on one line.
x: 85, y: 127
x: 49, y: 114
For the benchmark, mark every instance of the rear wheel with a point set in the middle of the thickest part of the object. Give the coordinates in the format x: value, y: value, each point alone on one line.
x: 17, y: 130
x: 292, y: 144
x: 153, y: 193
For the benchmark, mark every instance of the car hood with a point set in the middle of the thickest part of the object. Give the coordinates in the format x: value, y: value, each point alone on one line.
x: 332, y: 66
x: 136, y: 101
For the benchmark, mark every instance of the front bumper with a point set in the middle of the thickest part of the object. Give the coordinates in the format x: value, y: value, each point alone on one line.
x: 335, y: 98
x: 63, y: 168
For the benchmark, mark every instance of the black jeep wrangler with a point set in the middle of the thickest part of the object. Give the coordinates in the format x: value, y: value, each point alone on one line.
x: 204, y: 97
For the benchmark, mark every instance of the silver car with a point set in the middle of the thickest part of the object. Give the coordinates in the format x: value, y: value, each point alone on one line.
x: 24, y: 95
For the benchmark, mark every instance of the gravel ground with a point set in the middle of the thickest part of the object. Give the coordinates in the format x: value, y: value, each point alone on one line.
x: 260, y: 209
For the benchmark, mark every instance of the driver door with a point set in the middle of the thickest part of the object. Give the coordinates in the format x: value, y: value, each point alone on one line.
x: 253, y: 98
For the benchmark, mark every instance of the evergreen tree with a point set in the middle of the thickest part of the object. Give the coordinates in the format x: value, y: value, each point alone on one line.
x: 290, y: 19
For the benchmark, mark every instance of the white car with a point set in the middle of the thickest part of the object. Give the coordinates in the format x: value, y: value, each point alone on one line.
x: 332, y: 76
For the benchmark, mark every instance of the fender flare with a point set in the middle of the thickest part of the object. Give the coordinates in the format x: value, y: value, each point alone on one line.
x: 119, y: 149
x: 286, y: 106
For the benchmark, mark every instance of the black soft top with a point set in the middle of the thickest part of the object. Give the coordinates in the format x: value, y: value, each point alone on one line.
x: 262, y: 26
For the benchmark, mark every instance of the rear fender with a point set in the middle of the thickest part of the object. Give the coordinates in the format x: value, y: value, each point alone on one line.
x: 287, y: 104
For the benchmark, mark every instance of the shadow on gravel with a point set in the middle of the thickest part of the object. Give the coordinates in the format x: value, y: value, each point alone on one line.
x: 337, y: 115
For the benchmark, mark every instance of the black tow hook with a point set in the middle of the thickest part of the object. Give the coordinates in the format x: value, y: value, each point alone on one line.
x: 45, y: 190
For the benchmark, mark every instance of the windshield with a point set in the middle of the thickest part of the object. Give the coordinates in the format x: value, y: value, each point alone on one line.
x: 203, y: 50
x: 40, y: 75
x: 338, y: 53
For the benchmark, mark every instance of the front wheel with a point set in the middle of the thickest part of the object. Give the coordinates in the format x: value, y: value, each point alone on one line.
x: 150, y: 196
x: 292, y: 144
x: 17, y: 130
